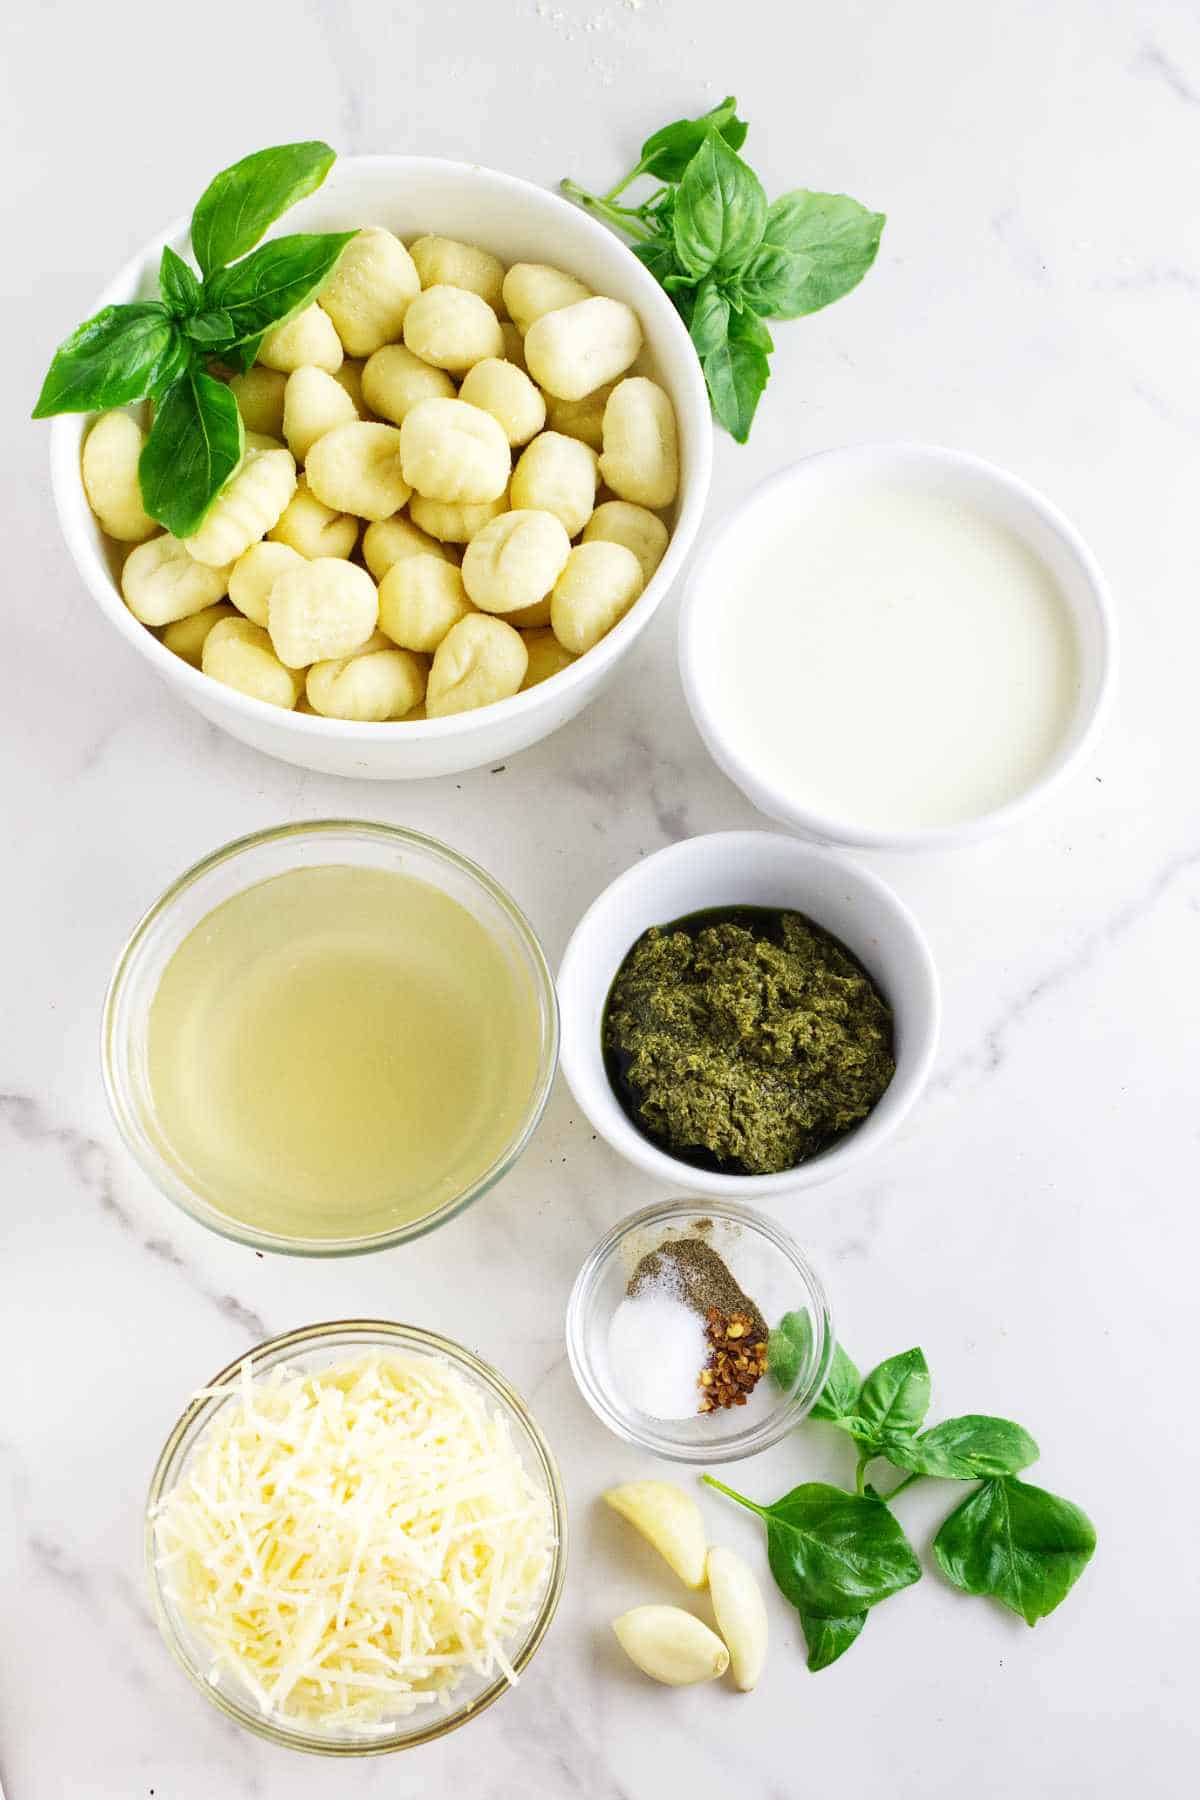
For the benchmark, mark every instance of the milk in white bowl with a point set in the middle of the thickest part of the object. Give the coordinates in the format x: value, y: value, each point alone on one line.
x: 895, y: 645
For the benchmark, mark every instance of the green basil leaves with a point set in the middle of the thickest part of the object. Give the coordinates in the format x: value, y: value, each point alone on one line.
x: 274, y: 282
x: 1023, y: 1546
x: 720, y: 211
x: 168, y: 349
x: 967, y: 1449
x: 194, y: 446
x: 836, y: 1554
x: 238, y: 205
x: 125, y: 353
x: 726, y: 258
x: 667, y: 153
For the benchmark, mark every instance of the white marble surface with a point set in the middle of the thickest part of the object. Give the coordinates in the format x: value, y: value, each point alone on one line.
x: 1034, y: 1226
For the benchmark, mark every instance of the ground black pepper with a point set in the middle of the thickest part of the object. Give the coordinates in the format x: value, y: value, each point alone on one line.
x: 700, y: 1277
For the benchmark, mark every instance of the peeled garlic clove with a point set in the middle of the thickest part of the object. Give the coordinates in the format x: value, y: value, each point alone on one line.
x: 741, y: 1615
x: 671, y: 1645
x: 670, y: 1520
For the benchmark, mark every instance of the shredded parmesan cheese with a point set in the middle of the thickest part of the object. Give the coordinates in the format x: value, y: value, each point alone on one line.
x: 351, y: 1542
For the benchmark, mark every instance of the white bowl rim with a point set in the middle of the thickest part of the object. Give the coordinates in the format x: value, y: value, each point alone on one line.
x: 601, y: 1106
x: 829, y: 828
x: 71, y: 506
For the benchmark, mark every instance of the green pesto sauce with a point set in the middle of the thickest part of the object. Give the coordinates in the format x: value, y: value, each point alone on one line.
x: 746, y: 1040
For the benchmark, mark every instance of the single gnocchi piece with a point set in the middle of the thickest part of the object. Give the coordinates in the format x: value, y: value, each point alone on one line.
x: 620, y: 522
x: 324, y: 609
x: 479, y: 661
x: 446, y: 262
x: 452, y: 523
x: 515, y: 561
x: 452, y: 451
x: 378, y: 682
x: 252, y: 501
x: 575, y: 349
x: 598, y: 586
x: 532, y: 289
x: 505, y: 391
x: 186, y: 637
x: 255, y: 573
x: 640, y: 460
x: 239, y: 654
x: 369, y: 292
x: 110, y: 477
x: 388, y: 541
x: 452, y: 328
x: 582, y: 419
x: 314, y: 403
x: 546, y: 657
x: 162, y: 583
x: 312, y: 528
x: 420, y: 599
x: 259, y: 395
x: 394, y: 381
x: 557, y: 474
x: 355, y: 468
x: 308, y: 340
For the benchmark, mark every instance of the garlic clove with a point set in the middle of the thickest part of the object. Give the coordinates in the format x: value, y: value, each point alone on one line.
x: 670, y: 1645
x: 741, y: 1615
x: 670, y: 1520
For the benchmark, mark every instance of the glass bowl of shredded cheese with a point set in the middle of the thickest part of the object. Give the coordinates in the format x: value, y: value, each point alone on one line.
x: 355, y: 1538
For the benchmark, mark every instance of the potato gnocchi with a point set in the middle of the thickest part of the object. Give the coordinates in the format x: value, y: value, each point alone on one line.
x: 450, y: 411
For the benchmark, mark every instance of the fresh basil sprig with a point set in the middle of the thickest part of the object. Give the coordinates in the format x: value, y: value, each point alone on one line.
x: 727, y: 258
x: 835, y: 1554
x: 171, y: 350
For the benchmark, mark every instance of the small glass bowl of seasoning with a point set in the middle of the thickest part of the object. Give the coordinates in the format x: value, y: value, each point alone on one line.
x: 698, y: 1332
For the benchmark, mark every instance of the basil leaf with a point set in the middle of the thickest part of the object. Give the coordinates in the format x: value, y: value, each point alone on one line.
x: 748, y: 328
x: 194, y: 446
x: 832, y: 1553
x: 209, y: 329
x: 120, y: 355
x: 737, y: 373
x: 658, y: 254
x: 275, y: 281
x: 668, y: 152
x: 838, y: 1397
x: 720, y: 210
x: 1018, y: 1544
x: 827, y: 1639
x: 237, y: 358
x: 177, y: 284
x: 965, y: 1449
x: 709, y: 327
x: 895, y: 1396
x: 236, y: 208
x: 814, y: 249
x: 789, y: 1348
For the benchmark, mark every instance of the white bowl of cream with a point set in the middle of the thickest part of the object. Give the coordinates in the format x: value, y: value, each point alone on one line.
x: 896, y: 646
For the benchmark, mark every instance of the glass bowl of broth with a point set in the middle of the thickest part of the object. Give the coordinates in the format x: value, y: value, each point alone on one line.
x: 329, y: 1038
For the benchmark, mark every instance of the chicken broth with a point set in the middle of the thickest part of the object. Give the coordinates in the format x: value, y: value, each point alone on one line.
x: 339, y: 1051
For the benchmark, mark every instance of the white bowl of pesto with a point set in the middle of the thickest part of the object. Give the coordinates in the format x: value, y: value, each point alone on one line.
x: 517, y: 221
x: 896, y: 646
x: 756, y: 869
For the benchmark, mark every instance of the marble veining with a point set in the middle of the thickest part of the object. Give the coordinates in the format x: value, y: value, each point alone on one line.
x: 1033, y: 1225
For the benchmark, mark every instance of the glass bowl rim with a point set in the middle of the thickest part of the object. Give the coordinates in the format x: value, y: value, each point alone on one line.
x: 180, y: 1192
x: 779, y: 1422
x: 391, y: 1333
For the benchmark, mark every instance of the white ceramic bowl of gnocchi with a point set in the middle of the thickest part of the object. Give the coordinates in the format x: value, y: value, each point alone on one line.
x: 519, y: 223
